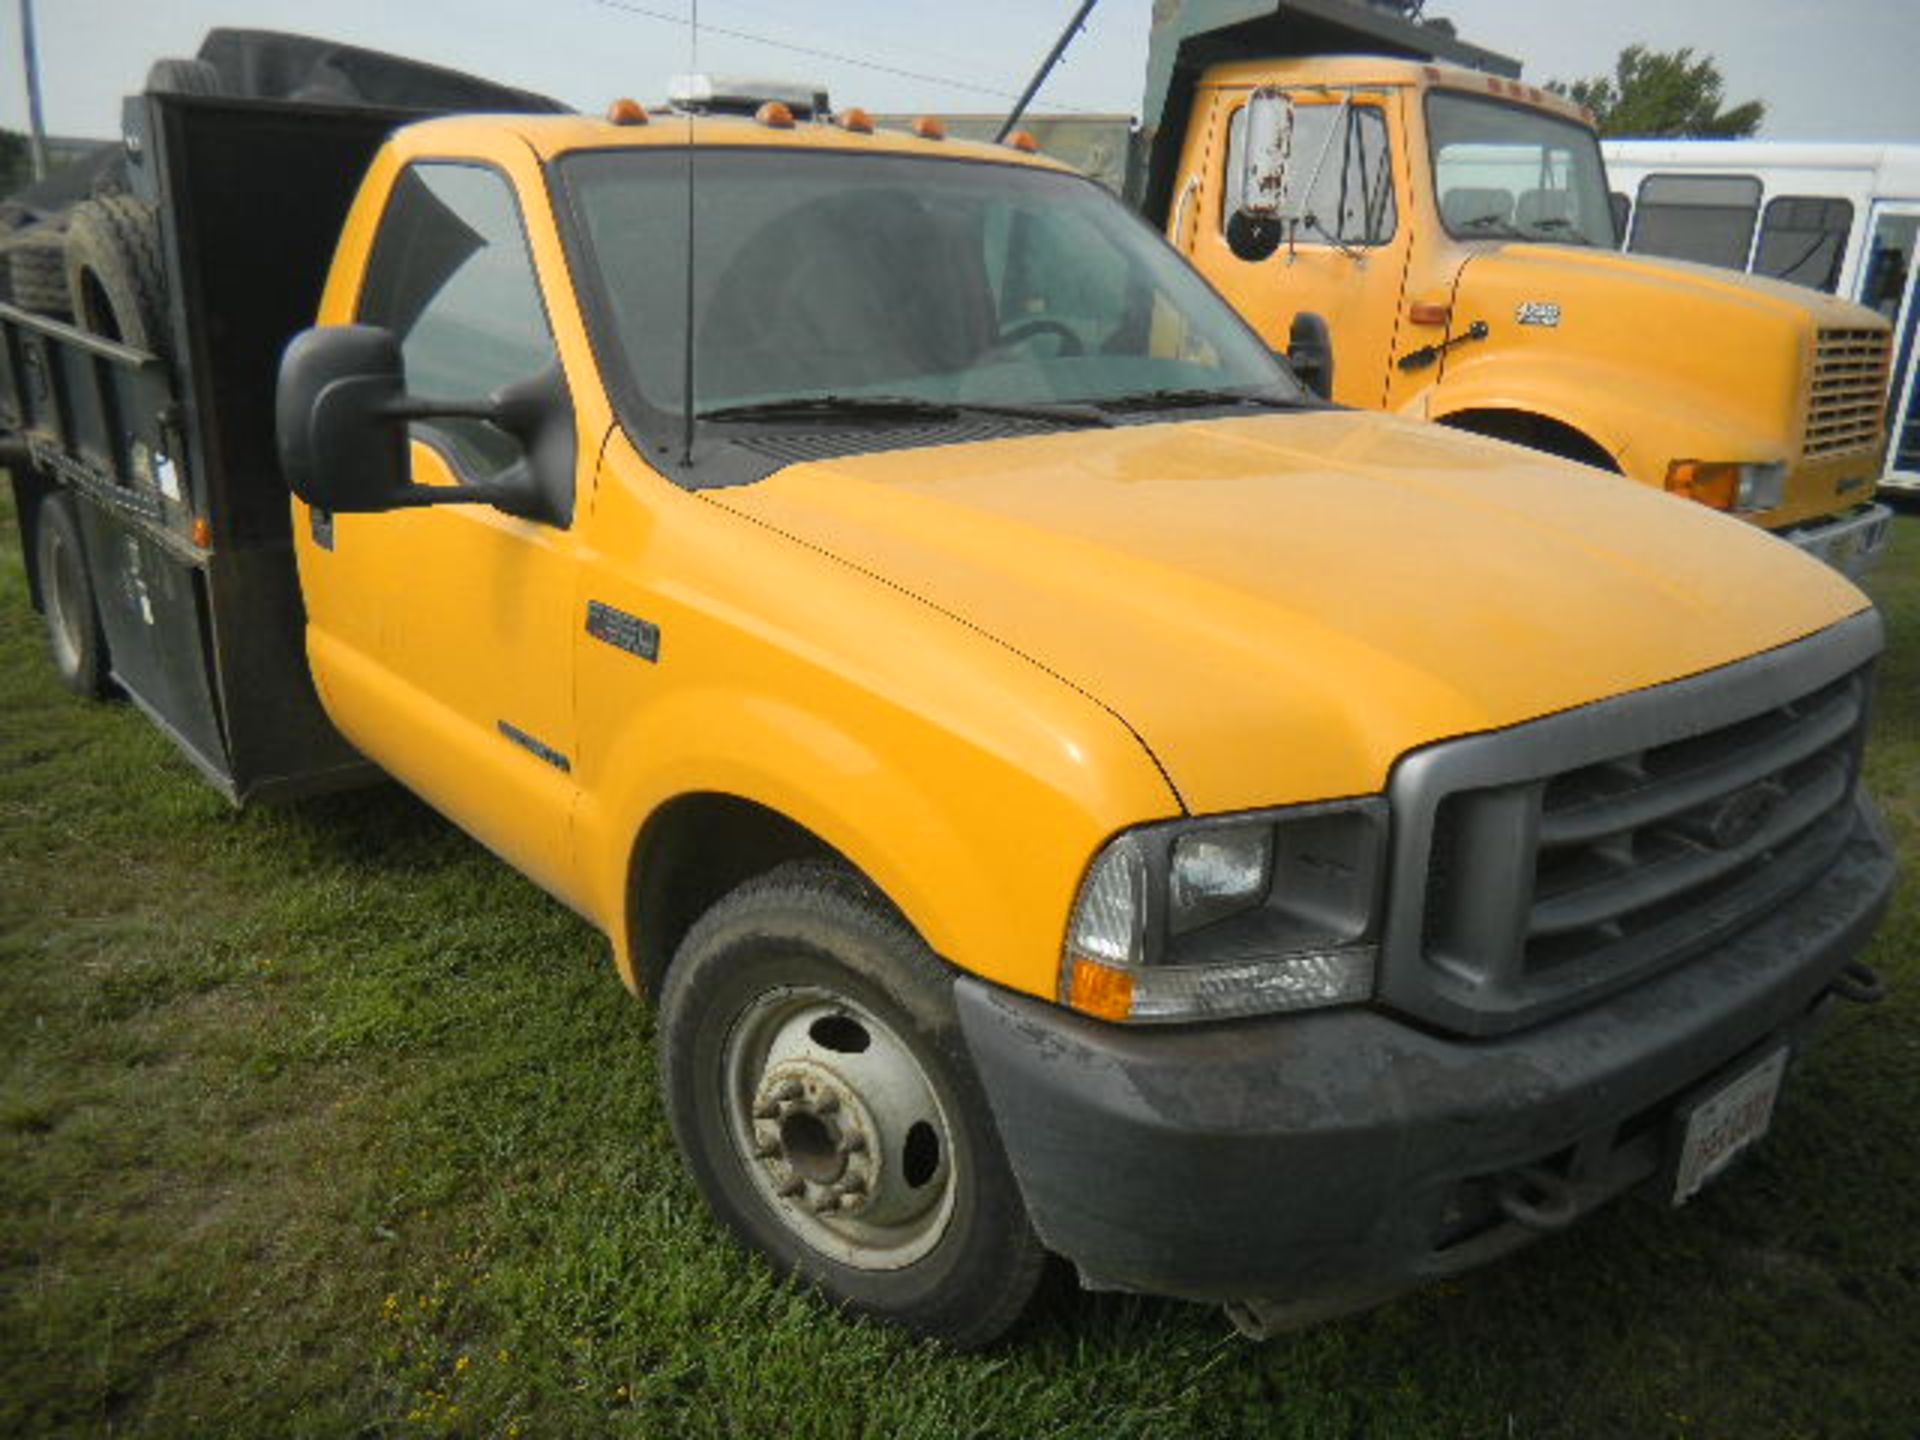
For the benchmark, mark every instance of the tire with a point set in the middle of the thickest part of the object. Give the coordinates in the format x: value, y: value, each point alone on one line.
x: 113, y: 276
x: 74, y: 637
x: 822, y: 1096
x: 183, y: 77
x: 36, y: 270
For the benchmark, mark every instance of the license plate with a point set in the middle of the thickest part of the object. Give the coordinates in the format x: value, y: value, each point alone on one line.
x: 1725, y: 1123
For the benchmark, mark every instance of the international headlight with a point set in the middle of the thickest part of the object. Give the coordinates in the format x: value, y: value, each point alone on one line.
x: 1727, y: 485
x: 1206, y: 919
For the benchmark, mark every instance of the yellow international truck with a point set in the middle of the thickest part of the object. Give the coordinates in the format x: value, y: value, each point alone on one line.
x: 1066, y: 787
x: 1452, y: 225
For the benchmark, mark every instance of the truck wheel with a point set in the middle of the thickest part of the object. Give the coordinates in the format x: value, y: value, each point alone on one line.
x: 74, y: 636
x: 113, y: 274
x: 821, y: 1093
x: 36, y: 270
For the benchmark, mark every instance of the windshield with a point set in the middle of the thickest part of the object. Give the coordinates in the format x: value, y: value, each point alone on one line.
x: 1505, y: 171
x: 828, y: 274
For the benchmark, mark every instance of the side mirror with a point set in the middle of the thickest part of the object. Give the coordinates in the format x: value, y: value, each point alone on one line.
x: 341, y: 413
x: 339, y: 447
x: 1310, y: 353
x: 1266, y: 155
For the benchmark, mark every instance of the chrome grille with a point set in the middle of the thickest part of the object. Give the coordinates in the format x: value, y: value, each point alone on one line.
x: 1847, y: 403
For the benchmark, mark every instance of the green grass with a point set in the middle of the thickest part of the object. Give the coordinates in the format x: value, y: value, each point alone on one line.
x: 320, y: 1121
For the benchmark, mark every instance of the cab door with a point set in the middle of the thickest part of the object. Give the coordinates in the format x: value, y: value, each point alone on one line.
x: 442, y: 637
x: 1346, y: 260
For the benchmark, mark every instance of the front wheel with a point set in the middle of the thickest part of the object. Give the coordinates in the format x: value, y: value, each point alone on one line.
x: 820, y: 1091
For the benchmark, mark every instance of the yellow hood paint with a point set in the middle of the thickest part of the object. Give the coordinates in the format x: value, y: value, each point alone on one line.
x: 1282, y: 605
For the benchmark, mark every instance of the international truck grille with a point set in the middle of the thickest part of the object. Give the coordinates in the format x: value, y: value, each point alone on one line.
x: 1575, y: 883
x: 1849, y: 392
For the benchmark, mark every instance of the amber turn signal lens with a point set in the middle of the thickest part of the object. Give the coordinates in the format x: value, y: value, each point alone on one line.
x: 625, y: 111
x: 202, y: 532
x: 1711, y: 483
x: 1429, y: 312
x: 774, y: 116
x: 1099, y: 990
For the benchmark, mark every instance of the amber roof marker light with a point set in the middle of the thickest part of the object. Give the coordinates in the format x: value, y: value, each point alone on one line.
x: 627, y: 111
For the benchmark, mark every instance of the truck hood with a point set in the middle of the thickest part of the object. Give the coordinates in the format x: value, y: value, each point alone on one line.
x: 1678, y: 281
x: 1732, y: 353
x: 1282, y: 605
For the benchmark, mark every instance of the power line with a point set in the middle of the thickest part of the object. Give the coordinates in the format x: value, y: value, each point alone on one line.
x: 839, y: 57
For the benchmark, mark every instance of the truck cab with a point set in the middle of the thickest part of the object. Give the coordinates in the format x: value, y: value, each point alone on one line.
x: 1454, y: 228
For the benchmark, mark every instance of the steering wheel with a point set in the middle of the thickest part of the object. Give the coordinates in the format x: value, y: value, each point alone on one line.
x: 1070, y: 343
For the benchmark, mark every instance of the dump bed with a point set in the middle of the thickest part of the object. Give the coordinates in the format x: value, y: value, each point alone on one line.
x: 171, y: 458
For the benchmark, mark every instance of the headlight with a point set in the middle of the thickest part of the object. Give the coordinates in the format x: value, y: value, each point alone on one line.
x: 1275, y: 910
x: 1725, y: 485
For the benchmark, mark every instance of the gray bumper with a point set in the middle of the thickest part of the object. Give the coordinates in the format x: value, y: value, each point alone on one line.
x: 1851, y: 543
x: 1329, y: 1160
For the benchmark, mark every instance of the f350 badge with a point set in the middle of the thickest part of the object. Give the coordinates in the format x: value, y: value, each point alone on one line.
x: 1538, y: 312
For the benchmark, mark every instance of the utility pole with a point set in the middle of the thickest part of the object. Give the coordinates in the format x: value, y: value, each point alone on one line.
x: 1040, y: 75
x: 36, y: 131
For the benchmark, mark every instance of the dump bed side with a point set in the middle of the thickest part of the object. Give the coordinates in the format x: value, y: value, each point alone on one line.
x: 171, y: 456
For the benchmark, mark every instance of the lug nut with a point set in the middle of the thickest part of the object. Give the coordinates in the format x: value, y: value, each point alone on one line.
x: 766, y: 1110
x: 853, y: 1145
x: 791, y: 1188
x: 766, y: 1150
x: 826, y: 1104
x: 789, y: 1090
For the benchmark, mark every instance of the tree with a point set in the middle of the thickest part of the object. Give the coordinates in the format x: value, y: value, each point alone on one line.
x: 1662, y: 93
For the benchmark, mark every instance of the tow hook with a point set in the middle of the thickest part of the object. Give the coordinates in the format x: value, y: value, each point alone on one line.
x: 1860, y: 983
x: 1536, y: 1198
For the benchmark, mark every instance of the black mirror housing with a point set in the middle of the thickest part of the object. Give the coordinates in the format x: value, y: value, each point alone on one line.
x: 1310, y: 352
x: 339, y: 447
x: 340, y: 415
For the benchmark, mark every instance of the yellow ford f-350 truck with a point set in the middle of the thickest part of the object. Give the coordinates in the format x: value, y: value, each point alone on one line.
x: 1067, y: 787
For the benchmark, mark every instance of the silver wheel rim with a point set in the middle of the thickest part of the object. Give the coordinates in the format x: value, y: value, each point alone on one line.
x: 63, y: 601
x: 839, y: 1129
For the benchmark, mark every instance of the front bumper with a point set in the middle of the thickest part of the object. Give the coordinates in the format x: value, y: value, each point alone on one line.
x: 1851, y: 543
x: 1326, y: 1161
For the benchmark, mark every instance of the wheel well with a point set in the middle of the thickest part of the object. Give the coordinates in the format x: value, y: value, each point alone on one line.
x: 692, y: 851
x: 1536, y: 432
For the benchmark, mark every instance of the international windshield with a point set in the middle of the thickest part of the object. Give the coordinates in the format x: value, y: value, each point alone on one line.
x: 834, y: 275
x: 1506, y: 171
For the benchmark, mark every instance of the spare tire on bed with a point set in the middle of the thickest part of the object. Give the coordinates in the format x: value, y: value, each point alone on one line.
x: 34, y: 260
x: 113, y: 274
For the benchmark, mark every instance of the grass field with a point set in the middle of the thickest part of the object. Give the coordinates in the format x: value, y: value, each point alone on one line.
x: 320, y: 1121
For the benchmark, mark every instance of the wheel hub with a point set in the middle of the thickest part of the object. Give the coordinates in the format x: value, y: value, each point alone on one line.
x: 814, y: 1139
x: 839, y: 1128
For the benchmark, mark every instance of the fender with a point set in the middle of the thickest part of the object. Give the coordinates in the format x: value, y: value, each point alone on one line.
x: 1595, y: 397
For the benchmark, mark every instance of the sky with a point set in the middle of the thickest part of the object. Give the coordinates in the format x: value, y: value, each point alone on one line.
x: 1828, y: 69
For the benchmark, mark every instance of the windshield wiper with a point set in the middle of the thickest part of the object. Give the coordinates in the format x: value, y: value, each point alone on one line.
x: 1198, y: 398
x: 898, y: 407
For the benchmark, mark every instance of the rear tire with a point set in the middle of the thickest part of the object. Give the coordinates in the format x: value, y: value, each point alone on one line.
x: 74, y: 637
x: 825, y: 1103
x: 113, y: 275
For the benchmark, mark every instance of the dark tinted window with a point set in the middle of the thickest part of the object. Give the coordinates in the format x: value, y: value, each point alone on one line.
x: 452, y: 277
x: 892, y: 275
x: 1708, y: 218
x: 1802, y: 239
